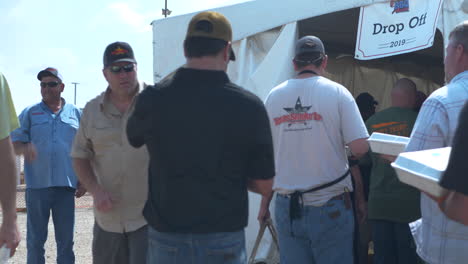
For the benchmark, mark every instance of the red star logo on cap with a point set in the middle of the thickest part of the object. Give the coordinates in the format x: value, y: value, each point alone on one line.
x: 119, y: 51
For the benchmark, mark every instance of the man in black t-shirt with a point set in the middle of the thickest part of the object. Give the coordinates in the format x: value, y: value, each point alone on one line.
x: 209, y: 142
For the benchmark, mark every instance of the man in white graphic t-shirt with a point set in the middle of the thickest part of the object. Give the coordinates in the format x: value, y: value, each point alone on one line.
x: 312, y: 120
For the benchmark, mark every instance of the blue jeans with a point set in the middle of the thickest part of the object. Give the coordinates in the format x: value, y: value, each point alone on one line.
x: 323, y: 235
x: 39, y: 204
x: 393, y: 243
x: 210, y: 248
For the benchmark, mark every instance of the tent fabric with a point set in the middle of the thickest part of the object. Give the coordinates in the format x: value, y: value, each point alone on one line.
x: 264, y: 59
x: 452, y: 15
x: 247, y: 19
x: 378, y: 81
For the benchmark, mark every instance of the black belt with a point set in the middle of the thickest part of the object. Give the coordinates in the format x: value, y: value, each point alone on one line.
x: 294, y: 205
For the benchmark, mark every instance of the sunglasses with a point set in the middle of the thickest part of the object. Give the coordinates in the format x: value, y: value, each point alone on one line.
x: 126, y: 68
x: 49, y: 84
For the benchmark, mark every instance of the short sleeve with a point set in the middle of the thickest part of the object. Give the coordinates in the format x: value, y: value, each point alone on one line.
x: 139, y: 123
x: 431, y: 127
x: 8, y: 118
x: 23, y: 133
x: 82, y: 147
x: 456, y: 174
x: 261, y: 160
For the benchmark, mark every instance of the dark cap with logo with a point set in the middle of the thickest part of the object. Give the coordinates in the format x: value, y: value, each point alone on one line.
x: 210, y: 24
x: 309, y: 44
x: 49, y: 71
x: 117, y: 52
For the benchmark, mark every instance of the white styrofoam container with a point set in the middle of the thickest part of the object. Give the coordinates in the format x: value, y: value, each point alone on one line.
x: 423, y: 169
x: 387, y: 144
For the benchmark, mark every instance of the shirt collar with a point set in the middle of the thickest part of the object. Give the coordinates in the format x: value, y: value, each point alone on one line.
x: 104, y: 100
x: 461, y: 75
x: 200, y: 76
x: 46, y: 108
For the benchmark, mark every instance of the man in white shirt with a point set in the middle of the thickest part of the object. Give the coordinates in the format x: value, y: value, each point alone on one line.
x: 312, y: 120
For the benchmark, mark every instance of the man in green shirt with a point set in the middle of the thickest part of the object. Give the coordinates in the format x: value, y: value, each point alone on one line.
x: 9, y: 234
x: 392, y: 204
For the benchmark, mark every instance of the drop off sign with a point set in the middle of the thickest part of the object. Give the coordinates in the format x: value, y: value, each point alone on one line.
x: 396, y: 27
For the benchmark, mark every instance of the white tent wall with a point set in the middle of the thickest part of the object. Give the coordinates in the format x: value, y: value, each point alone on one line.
x: 262, y: 46
x: 247, y: 19
x: 264, y: 59
x: 452, y: 14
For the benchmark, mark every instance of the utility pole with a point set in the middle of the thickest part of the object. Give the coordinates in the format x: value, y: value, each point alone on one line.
x: 166, y: 12
x: 75, y: 83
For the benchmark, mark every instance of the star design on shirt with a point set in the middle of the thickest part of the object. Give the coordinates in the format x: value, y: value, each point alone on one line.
x: 298, y: 109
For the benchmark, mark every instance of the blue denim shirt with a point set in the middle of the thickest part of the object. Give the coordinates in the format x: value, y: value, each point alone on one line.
x: 52, y: 135
x: 439, y: 239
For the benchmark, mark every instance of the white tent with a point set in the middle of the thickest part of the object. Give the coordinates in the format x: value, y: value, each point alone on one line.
x: 264, y: 35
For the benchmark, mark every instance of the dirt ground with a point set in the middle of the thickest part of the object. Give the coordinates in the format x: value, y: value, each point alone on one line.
x: 84, y: 221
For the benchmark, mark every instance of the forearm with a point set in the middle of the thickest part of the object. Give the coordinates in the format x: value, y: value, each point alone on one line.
x: 266, y: 199
x: 358, y: 185
x: 85, y: 174
x: 7, y: 181
x: 20, y: 147
x: 262, y: 187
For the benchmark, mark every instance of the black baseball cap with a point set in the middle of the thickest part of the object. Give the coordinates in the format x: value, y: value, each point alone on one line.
x: 309, y: 44
x: 117, y: 52
x: 49, y: 71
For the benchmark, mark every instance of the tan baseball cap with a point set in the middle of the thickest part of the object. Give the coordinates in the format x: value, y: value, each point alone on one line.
x: 210, y: 24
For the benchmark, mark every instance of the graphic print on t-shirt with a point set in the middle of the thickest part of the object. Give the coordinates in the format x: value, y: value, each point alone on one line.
x: 393, y: 128
x: 298, y: 117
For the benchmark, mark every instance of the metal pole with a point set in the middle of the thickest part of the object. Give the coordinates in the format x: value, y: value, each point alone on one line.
x: 75, y: 83
x: 166, y: 11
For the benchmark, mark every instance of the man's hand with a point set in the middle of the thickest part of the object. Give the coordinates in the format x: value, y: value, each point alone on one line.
x: 80, y: 190
x: 263, y: 214
x: 454, y: 207
x: 387, y: 158
x: 29, y: 152
x: 103, y: 201
x: 10, y: 235
x: 438, y: 199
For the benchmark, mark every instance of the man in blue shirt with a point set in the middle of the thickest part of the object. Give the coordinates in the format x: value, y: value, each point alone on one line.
x: 45, y: 137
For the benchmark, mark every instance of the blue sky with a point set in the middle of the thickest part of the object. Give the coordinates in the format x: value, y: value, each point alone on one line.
x: 72, y: 36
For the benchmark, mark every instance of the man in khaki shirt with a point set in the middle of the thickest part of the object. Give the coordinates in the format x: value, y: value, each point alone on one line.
x: 111, y: 170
